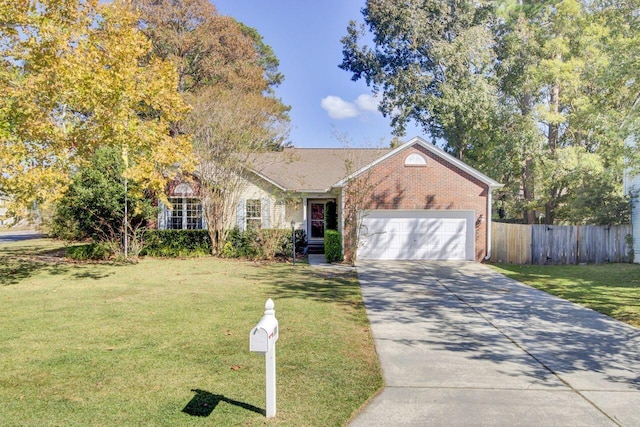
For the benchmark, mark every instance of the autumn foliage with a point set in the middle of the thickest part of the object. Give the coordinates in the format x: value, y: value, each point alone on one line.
x: 77, y: 75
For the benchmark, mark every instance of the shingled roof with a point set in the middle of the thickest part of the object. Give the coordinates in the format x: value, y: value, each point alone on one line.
x: 313, y: 170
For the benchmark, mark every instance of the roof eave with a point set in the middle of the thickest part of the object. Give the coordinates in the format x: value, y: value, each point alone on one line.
x: 269, y: 180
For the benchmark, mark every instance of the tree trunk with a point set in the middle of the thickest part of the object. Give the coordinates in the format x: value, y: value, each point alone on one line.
x: 550, y: 207
x: 554, y: 107
x: 528, y: 188
x: 528, y: 180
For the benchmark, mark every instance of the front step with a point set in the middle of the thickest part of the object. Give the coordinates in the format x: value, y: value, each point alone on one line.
x: 315, y: 248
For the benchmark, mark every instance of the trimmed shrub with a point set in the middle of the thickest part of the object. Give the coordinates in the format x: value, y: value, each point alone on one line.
x: 90, y: 251
x: 250, y: 244
x: 274, y: 242
x: 241, y: 244
x: 333, y: 246
x: 301, y: 242
x: 262, y: 243
x: 176, y: 243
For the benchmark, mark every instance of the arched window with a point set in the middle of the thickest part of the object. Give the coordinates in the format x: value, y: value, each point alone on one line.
x: 183, y: 189
x: 187, y: 209
x: 415, y: 159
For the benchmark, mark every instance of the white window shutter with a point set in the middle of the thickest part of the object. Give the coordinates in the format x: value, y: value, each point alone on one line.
x: 205, y: 226
x: 162, y: 216
x: 266, y: 213
x: 240, y: 215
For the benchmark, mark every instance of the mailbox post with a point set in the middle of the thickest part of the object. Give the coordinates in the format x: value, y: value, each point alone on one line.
x: 262, y: 340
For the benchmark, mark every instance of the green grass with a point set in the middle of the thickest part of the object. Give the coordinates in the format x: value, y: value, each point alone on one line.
x: 611, y: 289
x: 164, y: 342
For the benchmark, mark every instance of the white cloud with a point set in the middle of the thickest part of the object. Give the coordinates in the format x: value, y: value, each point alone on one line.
x: 338, y: 108
x: 367, y: 103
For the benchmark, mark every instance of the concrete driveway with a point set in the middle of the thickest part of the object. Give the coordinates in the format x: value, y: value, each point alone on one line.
x: 461, y: 345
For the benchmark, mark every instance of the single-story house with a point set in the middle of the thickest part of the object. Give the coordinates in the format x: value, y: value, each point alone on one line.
x: 413, y: 202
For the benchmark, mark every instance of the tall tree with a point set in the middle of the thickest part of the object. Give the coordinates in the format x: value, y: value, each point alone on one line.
x: 227, y: 75
x: 432, y: 62
x: 555, y: 68
x: 76, y: 75
x: 539, y: 94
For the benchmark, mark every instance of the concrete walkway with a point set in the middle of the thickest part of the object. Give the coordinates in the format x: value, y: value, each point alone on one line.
x: 461, y: 345
x: 319, y: 261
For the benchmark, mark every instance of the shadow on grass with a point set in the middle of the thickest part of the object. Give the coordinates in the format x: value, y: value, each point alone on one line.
x: 23, y: 260
x: 309, y: 283
x: 13, y: 271
x: 94, y: 274
x: 204, y: 402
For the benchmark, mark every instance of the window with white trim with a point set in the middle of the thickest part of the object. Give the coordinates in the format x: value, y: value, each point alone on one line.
x: 253, y: 213
x: 186, y: 214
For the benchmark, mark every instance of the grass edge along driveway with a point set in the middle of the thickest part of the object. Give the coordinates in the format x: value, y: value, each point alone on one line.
x: 611, y: 289
x: 165, y: 342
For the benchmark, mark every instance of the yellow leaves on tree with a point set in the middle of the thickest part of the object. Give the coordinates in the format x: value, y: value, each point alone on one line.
x: 80, y: 76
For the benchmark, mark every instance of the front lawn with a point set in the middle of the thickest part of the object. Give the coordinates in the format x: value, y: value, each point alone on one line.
x: 611, y: 289
x: 166, y: 342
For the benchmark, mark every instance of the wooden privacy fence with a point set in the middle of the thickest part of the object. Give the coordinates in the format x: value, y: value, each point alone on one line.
x: 560, y: 244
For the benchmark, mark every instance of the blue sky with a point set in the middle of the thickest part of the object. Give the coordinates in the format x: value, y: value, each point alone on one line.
x: 305, y: 36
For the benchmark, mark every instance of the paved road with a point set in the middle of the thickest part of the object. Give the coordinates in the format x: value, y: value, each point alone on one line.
x: 461, y: 345
x: 16, y: 236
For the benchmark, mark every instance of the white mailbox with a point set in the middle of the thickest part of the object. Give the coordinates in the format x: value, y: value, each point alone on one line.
x: 262, y: 339
x: 264, y: 334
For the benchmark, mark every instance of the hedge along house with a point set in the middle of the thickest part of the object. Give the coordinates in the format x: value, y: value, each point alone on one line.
x: 412, y: 202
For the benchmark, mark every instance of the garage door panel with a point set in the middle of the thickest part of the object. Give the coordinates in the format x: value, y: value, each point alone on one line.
x: 392, y: 227
x: 437, y: 235
x: 377, y: 253
x: 423, y: 252
x: 453, y: 227
x: 398, y: 241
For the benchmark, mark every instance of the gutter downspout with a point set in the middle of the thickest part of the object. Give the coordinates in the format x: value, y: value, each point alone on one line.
x: 489, y: 216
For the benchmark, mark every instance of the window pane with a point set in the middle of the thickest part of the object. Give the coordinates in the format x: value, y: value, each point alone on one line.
x: 186, y: 213
x: 175, y: 216
x: 317, y: 211
x: 317, y: 228
x: 193, y: 213
x: 254, y: 213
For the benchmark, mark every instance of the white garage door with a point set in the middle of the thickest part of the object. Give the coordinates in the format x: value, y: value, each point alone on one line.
x: 416, y: 235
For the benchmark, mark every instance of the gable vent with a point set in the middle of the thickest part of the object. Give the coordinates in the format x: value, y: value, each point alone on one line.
x: 415, y: 160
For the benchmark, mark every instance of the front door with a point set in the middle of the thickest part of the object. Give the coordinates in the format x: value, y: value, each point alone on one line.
x: 317, y: 220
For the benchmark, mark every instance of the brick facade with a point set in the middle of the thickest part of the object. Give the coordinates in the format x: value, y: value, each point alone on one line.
x: 437, y: 185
